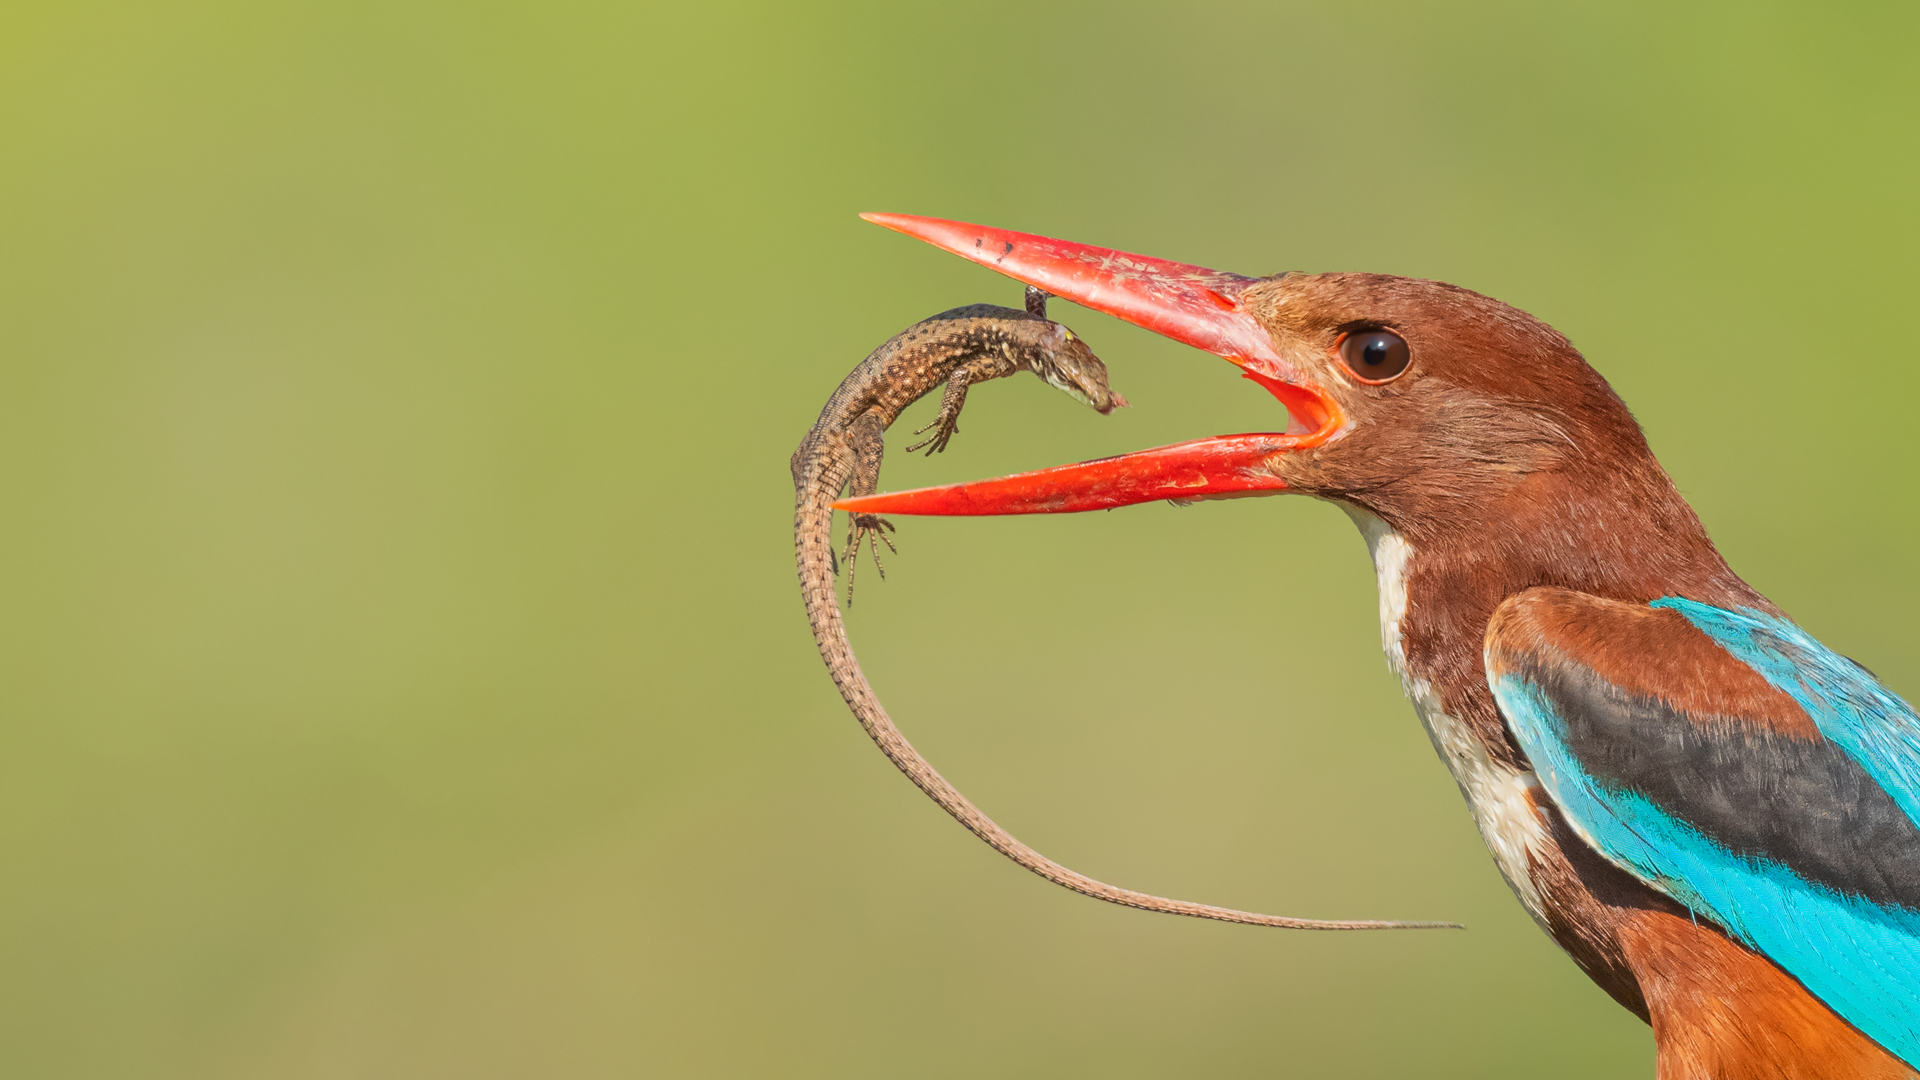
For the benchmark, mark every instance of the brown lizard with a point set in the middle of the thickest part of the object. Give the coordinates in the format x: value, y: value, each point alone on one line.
x: 959, y: 347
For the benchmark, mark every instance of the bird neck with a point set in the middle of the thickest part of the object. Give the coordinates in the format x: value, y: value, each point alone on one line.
x: 1628, y: 536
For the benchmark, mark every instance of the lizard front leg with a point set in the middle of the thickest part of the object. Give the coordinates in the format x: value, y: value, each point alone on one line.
x: 866, y: 436
x: 947, y: 424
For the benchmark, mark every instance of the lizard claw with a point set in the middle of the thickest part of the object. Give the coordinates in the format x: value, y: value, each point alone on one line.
x: 873, y: 529
x: 946, y: 429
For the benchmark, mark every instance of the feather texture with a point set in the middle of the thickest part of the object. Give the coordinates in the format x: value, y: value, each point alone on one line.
x: 1788, y: 818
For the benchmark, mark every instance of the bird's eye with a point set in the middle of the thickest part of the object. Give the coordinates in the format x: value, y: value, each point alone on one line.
x: 1375, y: 356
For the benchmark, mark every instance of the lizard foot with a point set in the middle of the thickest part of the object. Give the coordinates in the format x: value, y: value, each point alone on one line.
x: 873, y: 529
x: 943, y: 428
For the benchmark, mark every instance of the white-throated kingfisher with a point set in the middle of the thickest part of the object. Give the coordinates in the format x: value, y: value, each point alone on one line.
x: 1712, y: 813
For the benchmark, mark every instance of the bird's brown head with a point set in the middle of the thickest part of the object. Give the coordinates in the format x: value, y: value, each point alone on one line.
x: 1456, y: 420
x: 1449, y: 404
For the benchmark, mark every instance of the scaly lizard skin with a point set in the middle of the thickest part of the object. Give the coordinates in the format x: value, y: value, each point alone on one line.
x: 961, y: 347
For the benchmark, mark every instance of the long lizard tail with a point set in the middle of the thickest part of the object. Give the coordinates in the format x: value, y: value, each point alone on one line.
x: 819, y: 483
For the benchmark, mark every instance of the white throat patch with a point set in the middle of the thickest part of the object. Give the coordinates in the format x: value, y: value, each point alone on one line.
x: 1497, y: 793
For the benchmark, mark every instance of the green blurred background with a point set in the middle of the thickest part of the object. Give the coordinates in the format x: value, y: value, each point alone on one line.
x: 403, y: 672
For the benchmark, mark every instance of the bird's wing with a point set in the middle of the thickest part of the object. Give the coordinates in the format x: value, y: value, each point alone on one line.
x: 1732, y: 762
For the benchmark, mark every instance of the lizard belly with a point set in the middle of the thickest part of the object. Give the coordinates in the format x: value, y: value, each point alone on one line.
x: 1500, y: 796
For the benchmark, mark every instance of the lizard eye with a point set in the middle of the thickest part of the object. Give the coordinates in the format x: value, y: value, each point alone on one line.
x: 1375, y: 356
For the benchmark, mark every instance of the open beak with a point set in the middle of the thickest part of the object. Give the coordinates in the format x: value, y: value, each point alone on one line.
x: 1191, y: 304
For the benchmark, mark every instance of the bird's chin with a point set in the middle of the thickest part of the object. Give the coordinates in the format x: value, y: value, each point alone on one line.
x: 1190, y: 304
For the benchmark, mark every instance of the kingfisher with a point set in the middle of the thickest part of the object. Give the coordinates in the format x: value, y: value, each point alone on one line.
x: 1714, y: 815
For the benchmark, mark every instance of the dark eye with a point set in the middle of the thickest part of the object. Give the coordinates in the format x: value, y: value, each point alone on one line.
x: 1375, y: 355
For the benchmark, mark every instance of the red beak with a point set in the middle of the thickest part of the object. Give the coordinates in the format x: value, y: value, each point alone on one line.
x: 1190, y: 304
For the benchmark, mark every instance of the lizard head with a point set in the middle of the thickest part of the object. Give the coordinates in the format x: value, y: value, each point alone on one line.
x: 1069, y: 365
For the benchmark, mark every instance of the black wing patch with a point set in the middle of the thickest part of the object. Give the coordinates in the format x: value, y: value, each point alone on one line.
x: 1804, y: 804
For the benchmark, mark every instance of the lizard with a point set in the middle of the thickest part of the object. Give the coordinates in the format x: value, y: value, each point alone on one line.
x: 961, y: 347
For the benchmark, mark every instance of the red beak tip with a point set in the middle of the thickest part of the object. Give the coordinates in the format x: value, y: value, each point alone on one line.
x: 896, y: 222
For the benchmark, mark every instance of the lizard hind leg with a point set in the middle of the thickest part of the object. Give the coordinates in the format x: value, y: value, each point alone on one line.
x: 873, y: 529
x: 867, y: 438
